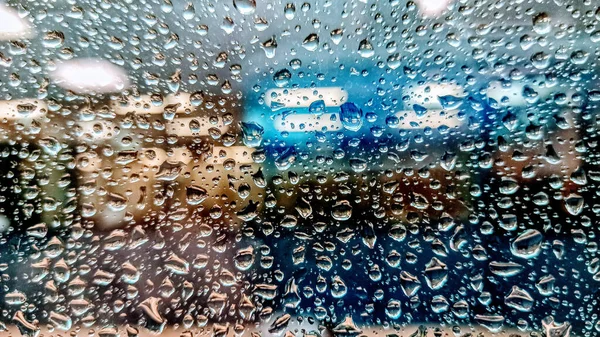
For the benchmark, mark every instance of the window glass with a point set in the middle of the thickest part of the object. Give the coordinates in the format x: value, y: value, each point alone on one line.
x: 300, y: 168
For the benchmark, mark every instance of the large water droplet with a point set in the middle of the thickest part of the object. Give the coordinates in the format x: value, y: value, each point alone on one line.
x: 311, y: 42
x: 519, y: 299
x: 365, y: 49
x: 245, y: 7
x: 351, y: 116
x: 528, y: 244
x: 436, y: 274
x: 282, y: 78
x: 542, y: 23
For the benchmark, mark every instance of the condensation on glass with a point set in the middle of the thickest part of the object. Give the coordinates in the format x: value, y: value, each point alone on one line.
x: 301, y: 169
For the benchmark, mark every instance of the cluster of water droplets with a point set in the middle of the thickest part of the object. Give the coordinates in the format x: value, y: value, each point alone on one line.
x: 288, y: 168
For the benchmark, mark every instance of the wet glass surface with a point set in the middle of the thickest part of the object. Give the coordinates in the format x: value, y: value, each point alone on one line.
x: 299, y: 169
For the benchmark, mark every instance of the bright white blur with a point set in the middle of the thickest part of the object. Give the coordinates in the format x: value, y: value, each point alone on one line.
x: 433, y: 8
x: 90, y: 75
x: 12, y: 27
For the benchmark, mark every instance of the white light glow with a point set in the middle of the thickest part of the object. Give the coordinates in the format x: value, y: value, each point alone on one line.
x: 12, y: 27
x: 22, y: 109
x: 302, y: 98
x: 90, y: 75
x: 308, y: 122
x: 427, y: 95
x: 433, y: 8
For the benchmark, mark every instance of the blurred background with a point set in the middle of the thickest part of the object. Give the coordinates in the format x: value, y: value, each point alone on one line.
x: 256, y: 168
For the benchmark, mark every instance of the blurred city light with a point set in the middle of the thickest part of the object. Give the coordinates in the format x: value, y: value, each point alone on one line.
x: 12, y: 26
x: 433, y: 8
x: 90, y: 75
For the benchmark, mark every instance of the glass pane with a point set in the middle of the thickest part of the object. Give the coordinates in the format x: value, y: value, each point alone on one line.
x: 301, y: 169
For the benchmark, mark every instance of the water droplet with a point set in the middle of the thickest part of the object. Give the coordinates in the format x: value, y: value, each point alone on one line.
x: 341, y: 211
x: 252, y: 134
x: 494, y: 323
x: 289, y: 11
x: 365, y: 49
x: 337, y: 35
x: 280, y: 324
x: 245, y: 7
x: 542, y: 23
x: 351, y: 116
x: 519, y: 299
x: 346, y: 328
x: 189, y: 12
x: 409, y: 283
x: 338, y: 287
x: 439, y: 304
x: 553, y: 329
x: 269, y: 47
x: 286, y: 159
x: 527, y: 245
x: 282, y: 78
x: 449, y: 102
x: 505, y: 269
x: 436, y: 274
x: 574, y: 204
x: 393, y: 309
x: 311, y: 42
